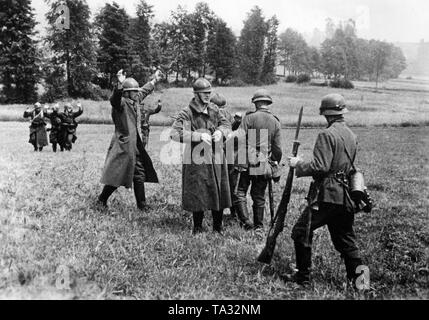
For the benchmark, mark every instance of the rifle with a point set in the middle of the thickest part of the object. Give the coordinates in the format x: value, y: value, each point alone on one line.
x: 271, y: 199
x: 277, y: 226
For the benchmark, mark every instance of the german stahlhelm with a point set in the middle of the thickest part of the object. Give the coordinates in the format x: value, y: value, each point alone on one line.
x: 218, y: 100
x: 262, y: 95
x: 202, y: 85
x: 333, y: 104
x: 130, y: 84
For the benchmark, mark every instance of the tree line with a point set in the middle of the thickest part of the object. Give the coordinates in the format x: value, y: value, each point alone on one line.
x: 82, y: 61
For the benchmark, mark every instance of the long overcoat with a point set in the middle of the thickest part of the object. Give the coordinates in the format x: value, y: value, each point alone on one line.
x: 126, y: 144
x: 205, y: 186
x: 38, y: 133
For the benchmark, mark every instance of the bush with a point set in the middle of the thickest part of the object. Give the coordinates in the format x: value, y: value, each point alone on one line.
x: 237, y: 83
x: 319, y: 84
x: 290, y: 78
x: 98, y: 94
x: 341, y: 83
x: 303, y: 78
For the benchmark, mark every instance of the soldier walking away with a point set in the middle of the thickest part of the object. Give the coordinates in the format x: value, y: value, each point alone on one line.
x: 267, y: 151
x: 55, y: 129
x: 38, y: 136
x: 69, y: 126
x: 220, y: 101
x: 145, y: 121
x: 205, y: 184
x: 127, y: 162
x: 328, y: 199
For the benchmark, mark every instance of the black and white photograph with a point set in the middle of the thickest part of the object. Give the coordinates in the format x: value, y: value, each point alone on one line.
x: 229, y: 153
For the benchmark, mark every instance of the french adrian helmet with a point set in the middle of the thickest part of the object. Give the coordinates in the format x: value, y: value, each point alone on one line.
x: 218, y: 100
x: 130, y: 84
x: 333, y: 104
x: 202, y: 85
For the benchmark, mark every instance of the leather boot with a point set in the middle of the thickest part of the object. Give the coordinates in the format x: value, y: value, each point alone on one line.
x: 258, y: 217
x: 243, y: 216
x: 54, y: 147
x: 351, y: 265
x: 139, y: 193
x: 217, y: 221
x: 232, y: 210
x: 198, y: 222
x: 105, y: 194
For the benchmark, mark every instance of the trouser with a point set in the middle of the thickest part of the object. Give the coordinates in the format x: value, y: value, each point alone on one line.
x: 138, y: 183
x: 233, y: 178
x: 257, y: 192
x: 340, y: 226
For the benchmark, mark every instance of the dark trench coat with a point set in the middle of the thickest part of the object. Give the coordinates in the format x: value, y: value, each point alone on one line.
x: 204, y: 186
x: 38, y: 135
x: 126, y: 144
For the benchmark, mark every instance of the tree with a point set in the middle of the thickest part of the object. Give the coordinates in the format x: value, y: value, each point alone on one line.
x: 294, y: 52
x: 140, y: 36
x: 251, y: 46
x: 73, y: 48
x: 270, y: 56
x: 18, y: 55
x: 112, y: 24
x: 221, y: 51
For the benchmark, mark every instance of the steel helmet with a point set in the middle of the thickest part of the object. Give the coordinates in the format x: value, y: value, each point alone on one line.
x: 333, y: 104
x: 202, y: 85
x: 238, y: 115
x: 37, y: 105
x: 262, y: 95
x: 130, y: 84
x: 218, y: 100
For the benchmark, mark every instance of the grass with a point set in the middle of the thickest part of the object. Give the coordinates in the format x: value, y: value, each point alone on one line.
x: 397, y: 102
x: 48, y: 219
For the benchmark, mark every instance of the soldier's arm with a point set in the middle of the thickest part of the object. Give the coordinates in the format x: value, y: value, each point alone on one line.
x: 182, y: 129
x: 146, y: 90
x: 78, y: 113
x: 224, y: 125
x: 276, y: 145
x: 28, y: 113
x: 115, y: 99
x: 322, y: 158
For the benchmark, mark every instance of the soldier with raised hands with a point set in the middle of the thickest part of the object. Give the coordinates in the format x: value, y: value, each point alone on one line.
x: 38, y: 136
x: 55, y: 129
x: 205, y: 184
x: 127, y: 162
x: 328, y: 200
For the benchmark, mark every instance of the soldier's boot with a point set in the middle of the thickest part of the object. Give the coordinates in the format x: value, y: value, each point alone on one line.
x: 217, y: 221
x: 303, y: 264
x: 351, y: 266
x: 243, y: 216
x: 35, y: 147
x: 105, y: 194
x: 139, y: 193
x: 54, y: 147
x: 258, y: 218
x: 232, y: 210
x: 40, y: 149
x: 198, y: 222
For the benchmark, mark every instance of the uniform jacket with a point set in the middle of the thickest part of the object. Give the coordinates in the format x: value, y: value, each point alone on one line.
x: 126, y: 144
x: 37, y: 128
x: 329, y: 157
x: 69, y: 118
x: 55, y: 120
x: 204, y: 186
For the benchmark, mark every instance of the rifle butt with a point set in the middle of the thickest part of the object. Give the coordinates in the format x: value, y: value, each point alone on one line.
x: 266, y: 256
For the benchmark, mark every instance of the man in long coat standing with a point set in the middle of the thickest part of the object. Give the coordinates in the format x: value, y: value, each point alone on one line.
x: 205, y: 184
x: 38, y: 136
x: 127, y: 161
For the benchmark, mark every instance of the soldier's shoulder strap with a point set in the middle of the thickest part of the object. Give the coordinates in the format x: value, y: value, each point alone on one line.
x: 250, y: 112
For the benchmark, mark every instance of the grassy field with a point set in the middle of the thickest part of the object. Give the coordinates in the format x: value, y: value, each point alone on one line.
x: 397, y: 102
x: 48, y: 219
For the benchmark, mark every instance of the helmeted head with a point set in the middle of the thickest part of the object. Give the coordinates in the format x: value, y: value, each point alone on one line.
x: 37, y: 106
x: 262, y: 95
x: 202, y: 90
x: 56, y: 107
x: 68, y: 107
x: 238, y: 116
x: 218, y: 100
x: 333, y: 104
x: 131, y: 88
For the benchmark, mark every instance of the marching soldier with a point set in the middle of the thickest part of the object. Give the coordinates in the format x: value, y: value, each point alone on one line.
x: 328, y: 200
x: 38, y: 136
x: 145, y: 124
x: 127, y: 161
x: 69, y: 125
x: 265, y: 151
x: 55, y: 129
x: 205, y: 184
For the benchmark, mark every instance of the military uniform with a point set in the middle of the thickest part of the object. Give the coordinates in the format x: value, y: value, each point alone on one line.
x: 205, y: 186
x: 328, y: 201
x: 145, y: 124
x: 55, y: 130
x: 127, y: 162
x: 38, y: 136
x: 68, y: 128
x: 259, y: 120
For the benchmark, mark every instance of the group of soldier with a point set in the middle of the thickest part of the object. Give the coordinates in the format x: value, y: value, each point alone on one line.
x: 63, y: 126
x: 206, y: 127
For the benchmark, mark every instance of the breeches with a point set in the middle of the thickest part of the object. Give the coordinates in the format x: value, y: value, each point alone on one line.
x: 257, y: 184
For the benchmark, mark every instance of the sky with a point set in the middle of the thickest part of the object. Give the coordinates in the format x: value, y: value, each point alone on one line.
x: 389, y: 20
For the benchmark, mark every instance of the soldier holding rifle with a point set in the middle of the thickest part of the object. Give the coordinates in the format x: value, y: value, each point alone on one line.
x: 328, y: 201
